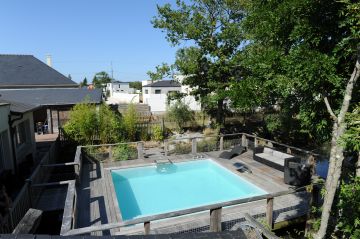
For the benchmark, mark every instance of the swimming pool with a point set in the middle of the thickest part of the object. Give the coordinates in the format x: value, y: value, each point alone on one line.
x: 150, y: 190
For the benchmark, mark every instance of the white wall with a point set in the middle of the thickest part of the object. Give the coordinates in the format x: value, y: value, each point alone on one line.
x: 157, y: 102
x: 123, y: 98
x: 120, y: 87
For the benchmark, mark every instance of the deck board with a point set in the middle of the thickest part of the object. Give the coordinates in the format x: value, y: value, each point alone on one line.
x: 97, y: 203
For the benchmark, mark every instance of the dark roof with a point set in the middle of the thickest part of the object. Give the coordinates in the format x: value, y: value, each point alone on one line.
x: 19, y: 107
x: 50, y: 96
x: 26, y: 71
x: 164, y: 83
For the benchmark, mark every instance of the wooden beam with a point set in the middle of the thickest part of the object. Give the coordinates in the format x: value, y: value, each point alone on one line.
x: 268, y: 234
x: 29, y: 223
x: 269, y: 211
x: 146, y: 228
x: 215, y: 220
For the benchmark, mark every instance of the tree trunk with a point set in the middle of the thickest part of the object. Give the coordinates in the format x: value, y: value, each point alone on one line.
x: 220, y: 112
x: 336, y: 153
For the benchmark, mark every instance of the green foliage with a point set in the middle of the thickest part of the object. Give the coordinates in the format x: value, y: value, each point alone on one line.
x: 83, y: 83
x: 180, y: 113
x: 213, y: 27
x: 109, y: 125
x: 87, y: 124
x: 100, y: 79
x: 157, y: 133
x: 124, y: 152
x: 273, y: 122
x: 130, y: 119
x: 161, y: 72
x: 82, y: 124
x: 137, y: 85
x: 351, y: 138
x: 349, y: 204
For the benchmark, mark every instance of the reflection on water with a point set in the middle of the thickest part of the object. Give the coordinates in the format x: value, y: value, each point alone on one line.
x: 322, y: 168
x: 165, y: 168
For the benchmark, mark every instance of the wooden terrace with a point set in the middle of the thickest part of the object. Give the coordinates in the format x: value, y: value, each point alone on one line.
x: 97, y: 204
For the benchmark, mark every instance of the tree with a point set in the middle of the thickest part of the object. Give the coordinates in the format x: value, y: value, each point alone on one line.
x: 100, y: 79
x: 162, y: 71
x: 213, y: 29
x: 137, y: 85
x: 110, y: 128
x: 301, y: 53
x: 84, y: 83
x: 180, y: 113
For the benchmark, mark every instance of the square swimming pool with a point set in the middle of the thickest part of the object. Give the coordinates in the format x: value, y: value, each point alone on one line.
x: 150, y: 190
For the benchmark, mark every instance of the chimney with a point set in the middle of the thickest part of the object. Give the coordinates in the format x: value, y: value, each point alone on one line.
x: 49, y: 60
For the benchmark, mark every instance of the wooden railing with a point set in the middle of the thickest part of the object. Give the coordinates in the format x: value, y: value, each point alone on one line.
x: 215, y: 213
x: 222, y: 142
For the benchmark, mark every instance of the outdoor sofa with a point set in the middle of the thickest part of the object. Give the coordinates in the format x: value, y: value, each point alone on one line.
x: 295, y: 171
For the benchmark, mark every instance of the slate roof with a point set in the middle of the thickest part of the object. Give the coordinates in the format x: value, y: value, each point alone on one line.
x: 48, y: 96
x: 164, y: 83
x: 24, y: 71
x: 19, y: 107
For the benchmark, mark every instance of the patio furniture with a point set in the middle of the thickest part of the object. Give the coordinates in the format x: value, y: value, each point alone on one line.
x: 296, y: 172
x: 237, y: 150
x: 271, y: 157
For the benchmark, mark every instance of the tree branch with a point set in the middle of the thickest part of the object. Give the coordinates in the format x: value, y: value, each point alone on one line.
x: 328, y: 107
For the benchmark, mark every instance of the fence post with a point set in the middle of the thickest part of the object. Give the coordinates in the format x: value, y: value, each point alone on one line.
x: 269, y: 211
x: 140, y: 149
x: 110, y: 152
x: 288, y: 150
x: 28, y: 184
x: 243, y: 141
x: 270, y: 144
x: 193, y: 146
x: 146, y: 228
x: 215, y: 220
x: 221, y: 143
x: 166, y: 148
x: 255, y: 142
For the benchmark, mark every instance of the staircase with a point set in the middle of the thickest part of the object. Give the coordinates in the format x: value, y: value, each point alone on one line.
x: 142, y: 109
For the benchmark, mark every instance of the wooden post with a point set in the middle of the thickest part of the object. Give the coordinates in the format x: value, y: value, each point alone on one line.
x: 193, y: 145
x: 146, y: 228
x: 269, y: 211
x: 243, y: 140
x: 270, y: 144
x: 313, y: 202
x: 255, y: 142
x: 110, y: 152
x: 221, y: 143
x: 166, y: 148
x: 215, y: 220
x: 140, y: 149
x: 288, y: 150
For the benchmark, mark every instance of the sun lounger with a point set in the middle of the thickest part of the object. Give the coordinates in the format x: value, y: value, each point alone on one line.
x: 237, y: 150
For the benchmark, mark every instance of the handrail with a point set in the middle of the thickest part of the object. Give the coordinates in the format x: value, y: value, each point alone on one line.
x: 183, y: 212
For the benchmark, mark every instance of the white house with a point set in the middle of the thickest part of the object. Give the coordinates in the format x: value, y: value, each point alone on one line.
x: 17, y: 137
x: 121, y: 92
x: 156, y: 94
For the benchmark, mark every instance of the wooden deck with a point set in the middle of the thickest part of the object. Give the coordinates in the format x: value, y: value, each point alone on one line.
x: 97, y: 203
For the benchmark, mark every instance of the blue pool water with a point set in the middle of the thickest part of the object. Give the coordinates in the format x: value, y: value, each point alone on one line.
x: 151, y: 190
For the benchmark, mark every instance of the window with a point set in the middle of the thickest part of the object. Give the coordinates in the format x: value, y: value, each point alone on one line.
x: 146, y: 91
x: 20, y: 134
x: 157, y: 91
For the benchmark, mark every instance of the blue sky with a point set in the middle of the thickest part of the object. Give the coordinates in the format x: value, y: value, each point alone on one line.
x: 85, y: 36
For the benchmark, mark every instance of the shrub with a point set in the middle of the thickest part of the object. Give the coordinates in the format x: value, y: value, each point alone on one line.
x: 82, y: 126
x: 207, y: 145
x: 182, y: 148
x: 180, y: 113
x: 211, y: 132
x: 109, y: 125
x: 272, y: 122
x: 157, y: 133
x: 124, y: 152
x: 130, y: 122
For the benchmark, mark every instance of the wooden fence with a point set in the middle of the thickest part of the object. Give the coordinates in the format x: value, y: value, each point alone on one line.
x: 219, y: 142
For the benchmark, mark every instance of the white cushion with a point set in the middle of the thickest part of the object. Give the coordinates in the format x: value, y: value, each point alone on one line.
x: 268, y: 151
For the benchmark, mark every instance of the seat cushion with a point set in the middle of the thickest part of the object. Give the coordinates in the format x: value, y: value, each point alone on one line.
x: 272, y: 158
